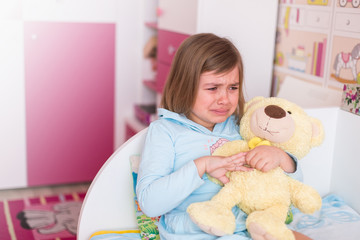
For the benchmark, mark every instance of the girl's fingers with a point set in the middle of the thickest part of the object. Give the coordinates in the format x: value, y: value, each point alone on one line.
x: 240, y: 154
x: 239, y: 157
x: 224, y: 179
x: 244, y: 168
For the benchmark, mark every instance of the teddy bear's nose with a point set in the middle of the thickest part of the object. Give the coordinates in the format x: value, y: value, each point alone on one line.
x: 274, y: 111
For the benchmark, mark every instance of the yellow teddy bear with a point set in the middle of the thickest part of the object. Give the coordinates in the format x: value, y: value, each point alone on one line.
x: 265, y: 197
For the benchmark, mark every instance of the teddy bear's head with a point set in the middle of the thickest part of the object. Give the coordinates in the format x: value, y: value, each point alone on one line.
x: 282, y: 123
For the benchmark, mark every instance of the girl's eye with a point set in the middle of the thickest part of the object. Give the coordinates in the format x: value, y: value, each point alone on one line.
x: 212, y: 89
x: 234, y: 88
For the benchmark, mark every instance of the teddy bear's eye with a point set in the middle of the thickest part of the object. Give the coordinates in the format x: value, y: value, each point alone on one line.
x: 289, y: 112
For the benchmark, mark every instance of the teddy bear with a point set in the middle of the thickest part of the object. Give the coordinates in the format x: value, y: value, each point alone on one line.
x: 264, y: 196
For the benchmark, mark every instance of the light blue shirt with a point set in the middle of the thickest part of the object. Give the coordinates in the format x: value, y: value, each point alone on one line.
x: 168, y: 180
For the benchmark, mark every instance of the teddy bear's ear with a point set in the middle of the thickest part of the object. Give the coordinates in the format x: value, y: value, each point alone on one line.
x: 317, y: 132
x: 252, y: 102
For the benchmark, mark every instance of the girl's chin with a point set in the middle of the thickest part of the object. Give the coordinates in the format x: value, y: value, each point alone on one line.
x: 220, y: 119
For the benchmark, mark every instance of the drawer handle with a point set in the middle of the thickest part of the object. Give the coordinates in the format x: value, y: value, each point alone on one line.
x: 159, y: 12
x: 318, y: 19
x: 348, y: 22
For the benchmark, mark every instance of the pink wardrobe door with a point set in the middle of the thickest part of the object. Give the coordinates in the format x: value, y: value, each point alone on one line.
x: 69, y: 81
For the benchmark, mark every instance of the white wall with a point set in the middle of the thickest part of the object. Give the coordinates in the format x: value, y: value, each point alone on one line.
x: 12, y: 105
x: 251, y: 25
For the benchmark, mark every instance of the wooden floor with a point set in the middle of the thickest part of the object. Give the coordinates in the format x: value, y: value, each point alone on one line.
x: 10, y: 194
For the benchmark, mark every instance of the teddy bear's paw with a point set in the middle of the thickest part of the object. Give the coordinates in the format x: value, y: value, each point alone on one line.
x: 211, y: 218
x: 265, y: 226
x: 257, y: 232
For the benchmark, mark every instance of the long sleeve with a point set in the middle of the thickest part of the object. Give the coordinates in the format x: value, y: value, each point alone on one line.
x: 297, y: 175
x: 160, y: 187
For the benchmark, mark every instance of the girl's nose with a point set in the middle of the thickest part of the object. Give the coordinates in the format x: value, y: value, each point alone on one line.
x: 223, y: 97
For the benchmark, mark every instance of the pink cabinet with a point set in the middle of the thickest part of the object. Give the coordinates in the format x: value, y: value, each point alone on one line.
x: 168, y: 43
x: 163, y: 70
x: 69, y: 88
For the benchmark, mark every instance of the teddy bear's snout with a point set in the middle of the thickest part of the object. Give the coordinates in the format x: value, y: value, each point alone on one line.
x: 274, y: 111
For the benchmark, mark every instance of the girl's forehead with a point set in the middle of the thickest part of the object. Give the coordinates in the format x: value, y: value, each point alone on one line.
x: 231, y: 77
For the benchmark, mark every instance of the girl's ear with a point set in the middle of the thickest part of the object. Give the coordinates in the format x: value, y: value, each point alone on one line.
x: 317, y: 132
x: 252, y: 102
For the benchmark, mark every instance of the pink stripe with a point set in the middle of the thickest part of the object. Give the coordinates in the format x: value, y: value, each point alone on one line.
x: 16, y: 207
x: 4, y: 233
x: 297, y: 15
x: 323, y: 58
x: 313, y: 58
x: 82, y: 195
x: 34, y: 201
x: 319, y: 59
x: 69, y: 197
x: 52, y: 199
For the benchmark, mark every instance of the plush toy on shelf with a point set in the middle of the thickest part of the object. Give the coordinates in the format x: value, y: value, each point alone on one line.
x: 264, y: 196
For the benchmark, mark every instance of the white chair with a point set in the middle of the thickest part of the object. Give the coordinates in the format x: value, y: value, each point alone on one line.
x: 109, y: 202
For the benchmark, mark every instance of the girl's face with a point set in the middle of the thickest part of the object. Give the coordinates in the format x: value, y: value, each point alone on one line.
x: 216, y: 99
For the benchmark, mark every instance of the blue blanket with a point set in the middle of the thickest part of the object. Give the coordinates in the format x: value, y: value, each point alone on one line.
x: 335, y: 221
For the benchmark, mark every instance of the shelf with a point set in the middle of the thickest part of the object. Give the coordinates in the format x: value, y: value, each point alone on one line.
x: 298, y: 74
x: 150, y: 84
x: 151, y: 25
x: 135, y: 124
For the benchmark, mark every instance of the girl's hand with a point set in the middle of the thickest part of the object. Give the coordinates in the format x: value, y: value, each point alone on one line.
x: 265, y: 158
x: 217, y: 166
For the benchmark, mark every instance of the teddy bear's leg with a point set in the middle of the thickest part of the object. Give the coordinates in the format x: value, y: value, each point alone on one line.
x: 269, y: 224
x: 304, y: 197
x: 215, y: 216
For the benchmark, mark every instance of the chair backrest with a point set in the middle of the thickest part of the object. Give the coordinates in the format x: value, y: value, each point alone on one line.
x: 109, y: 202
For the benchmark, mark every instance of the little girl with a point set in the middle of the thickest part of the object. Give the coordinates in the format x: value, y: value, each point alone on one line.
x: 202, y: 104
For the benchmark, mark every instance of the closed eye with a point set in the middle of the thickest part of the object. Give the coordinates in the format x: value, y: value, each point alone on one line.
x: 212, y: 89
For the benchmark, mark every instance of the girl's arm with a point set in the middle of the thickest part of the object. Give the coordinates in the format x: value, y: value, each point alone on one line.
x: 159, y: 188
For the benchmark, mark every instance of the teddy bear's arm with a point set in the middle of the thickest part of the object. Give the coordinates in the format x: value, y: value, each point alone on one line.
x: 304, y: 197
x: 231, y: 148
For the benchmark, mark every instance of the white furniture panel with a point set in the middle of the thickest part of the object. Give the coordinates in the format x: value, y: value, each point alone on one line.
x: 178, y: 16
x: 333, y: 166
x: 345, y: 171
x: 12, y: 105
x: 317, y: 164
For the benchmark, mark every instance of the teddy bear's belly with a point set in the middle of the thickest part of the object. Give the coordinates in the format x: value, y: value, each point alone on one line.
x: 261, y: 189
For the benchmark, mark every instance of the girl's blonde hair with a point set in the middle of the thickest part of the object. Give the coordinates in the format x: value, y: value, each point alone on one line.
x: 199, y: 53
